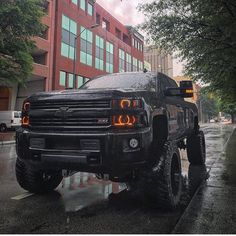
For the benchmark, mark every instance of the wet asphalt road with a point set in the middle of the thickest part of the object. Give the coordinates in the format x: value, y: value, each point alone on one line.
x: 83, y: 204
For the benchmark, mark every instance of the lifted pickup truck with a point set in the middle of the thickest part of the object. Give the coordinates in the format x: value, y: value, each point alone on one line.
x: 126, y: 127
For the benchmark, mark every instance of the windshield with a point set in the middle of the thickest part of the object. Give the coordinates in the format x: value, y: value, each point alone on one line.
x: 125, y: 81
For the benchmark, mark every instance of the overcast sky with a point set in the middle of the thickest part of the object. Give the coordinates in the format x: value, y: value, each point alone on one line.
x: 125, y: 11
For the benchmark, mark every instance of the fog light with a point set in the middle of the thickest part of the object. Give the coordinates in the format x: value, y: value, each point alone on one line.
x: 133, y: 143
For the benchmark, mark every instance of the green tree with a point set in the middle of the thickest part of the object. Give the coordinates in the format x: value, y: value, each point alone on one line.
x: 20, y: 20
x: 227, y: 105
x: 208, y: 104
x: 204, y: 34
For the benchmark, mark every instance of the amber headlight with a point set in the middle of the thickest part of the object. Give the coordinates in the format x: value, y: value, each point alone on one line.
x: 127, y: 103
x: 25, y: 121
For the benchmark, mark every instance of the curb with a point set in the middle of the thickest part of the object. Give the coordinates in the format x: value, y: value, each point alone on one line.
x: 7, y: 142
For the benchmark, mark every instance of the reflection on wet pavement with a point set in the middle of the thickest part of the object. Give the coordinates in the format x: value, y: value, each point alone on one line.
x: 82, y: 195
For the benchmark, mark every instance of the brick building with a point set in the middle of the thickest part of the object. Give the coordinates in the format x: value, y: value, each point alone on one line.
x: 109, y: 48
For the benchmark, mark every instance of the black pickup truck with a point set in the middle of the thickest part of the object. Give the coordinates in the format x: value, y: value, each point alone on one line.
x: 125, y: 127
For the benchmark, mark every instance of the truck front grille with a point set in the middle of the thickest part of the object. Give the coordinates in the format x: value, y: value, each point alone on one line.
x: 71, y: 115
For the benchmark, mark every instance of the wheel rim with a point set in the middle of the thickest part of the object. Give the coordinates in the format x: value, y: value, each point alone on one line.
x: 175, y: 175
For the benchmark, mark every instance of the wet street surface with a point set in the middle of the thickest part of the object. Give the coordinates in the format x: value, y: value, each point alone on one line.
x: 83, y: 204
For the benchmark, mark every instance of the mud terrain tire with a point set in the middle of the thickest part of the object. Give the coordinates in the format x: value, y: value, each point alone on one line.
x: 165, y: 180
x: 196, y: 148
x: 36, y: 181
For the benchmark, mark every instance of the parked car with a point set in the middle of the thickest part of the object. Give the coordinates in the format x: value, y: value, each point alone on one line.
x: 9, y: 120
x: 125, y: 127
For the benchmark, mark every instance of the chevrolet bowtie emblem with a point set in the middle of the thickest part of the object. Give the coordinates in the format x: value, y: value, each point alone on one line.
x: 63, y: 112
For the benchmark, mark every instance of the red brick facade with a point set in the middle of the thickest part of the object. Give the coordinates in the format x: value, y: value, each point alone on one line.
x: 50, y: 47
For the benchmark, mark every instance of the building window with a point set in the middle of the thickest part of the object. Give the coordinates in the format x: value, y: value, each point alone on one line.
x: 62, y: 81
x: 105, y: 24
x: 86, y: 46
x: 69, y: 32
x: 99, y: 60
x: 109, y: 57
x: 75, y: 2
x: 98, y: 19
x: 121, y: 60
x: 90, y: 9
x: 83, y: 4
x: 86, y: 80
x: 128, y: 62
x: 80, y: 81
x: 71, y: 81
x: 118, y: 33
x: 140, y: 64
x: 135, y: 64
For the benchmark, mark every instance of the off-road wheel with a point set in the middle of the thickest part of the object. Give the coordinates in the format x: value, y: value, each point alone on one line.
x: 36, y: 181
x: 164, y: 183
x: 3, y: 128
x: 196, y: 148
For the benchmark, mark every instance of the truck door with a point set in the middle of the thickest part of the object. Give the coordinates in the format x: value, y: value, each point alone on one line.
x: 176, y: 111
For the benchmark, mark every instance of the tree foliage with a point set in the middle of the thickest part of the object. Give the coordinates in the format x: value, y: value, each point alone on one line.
x: 20, y: 20
x: 204, y: 34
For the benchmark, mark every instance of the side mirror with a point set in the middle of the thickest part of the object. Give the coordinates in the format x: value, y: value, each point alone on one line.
x: 185, y: 90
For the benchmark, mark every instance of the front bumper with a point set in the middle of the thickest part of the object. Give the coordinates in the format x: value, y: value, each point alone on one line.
x: 107, y: 152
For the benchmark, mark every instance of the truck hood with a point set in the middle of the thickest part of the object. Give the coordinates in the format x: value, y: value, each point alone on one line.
x: 84, y: 94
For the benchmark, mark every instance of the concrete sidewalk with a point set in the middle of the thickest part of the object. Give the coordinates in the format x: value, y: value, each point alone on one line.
x: 213, y: 208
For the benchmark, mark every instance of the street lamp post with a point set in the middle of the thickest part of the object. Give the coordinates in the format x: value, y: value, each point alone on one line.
x: 75, y: 50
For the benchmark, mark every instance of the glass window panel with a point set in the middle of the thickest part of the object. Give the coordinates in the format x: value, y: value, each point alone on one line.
x: 62, y: 81
x: 89, y: 60
x: 83, y: 45
x: 102, y: 43
x: 89, y: 48
x: 82, y: 4
x: 111, y: 59
x: 83, y: 33
x: 97, y: 52
x: 64, y: 49
x: 101, y: 64
x: 86, y: 80
x: 72, y: 52
x: 73, y: 27
x: 65, y: 36
x: 101, y: 53
x: 111, y: 68
x: 107, y: 67
x: 83, y: 57
x: 75, y: 2
x: 89, y: 36
x: 71, y: 81
x: 97, y: 64
x: 72, y: 39
x: 80, y: 81
x: 65, y: 23
x: 90, y: 9
x: 97, y: 41
x: 112, y: 49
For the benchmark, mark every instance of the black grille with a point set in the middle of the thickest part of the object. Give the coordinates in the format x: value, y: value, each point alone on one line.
x: 83, y: 104
x: 72, y: 115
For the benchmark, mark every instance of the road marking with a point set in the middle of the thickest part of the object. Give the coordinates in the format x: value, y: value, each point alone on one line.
x: 22, y: 196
